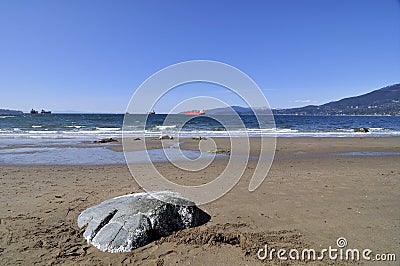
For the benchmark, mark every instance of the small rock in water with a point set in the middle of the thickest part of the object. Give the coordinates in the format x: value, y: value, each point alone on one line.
x: 166, y: 137
x: 105, y: 140
x: 220, y: 151
x: 361, y: 129
x: 199, y: 138
x: 124, y: 223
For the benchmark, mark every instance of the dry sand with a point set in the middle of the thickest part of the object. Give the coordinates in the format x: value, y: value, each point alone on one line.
x: 311, y: 197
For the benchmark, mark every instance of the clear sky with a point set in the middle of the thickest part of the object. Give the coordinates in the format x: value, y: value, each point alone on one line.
x: 91, y: 55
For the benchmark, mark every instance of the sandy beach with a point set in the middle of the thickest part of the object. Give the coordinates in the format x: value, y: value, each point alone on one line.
x: 318, y: 189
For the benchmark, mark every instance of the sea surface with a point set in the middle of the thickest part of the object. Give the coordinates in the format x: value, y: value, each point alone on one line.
x: 89, y: 126
x: 68, y: 138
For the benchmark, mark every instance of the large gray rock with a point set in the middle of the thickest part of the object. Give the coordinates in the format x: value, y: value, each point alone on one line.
x: 124, y: 223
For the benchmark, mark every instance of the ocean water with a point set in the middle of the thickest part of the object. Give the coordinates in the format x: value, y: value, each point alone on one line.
x: 67, y: 139
x: 92, y: 126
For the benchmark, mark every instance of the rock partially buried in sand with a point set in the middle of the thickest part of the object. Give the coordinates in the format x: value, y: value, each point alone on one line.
x: 124, y: 223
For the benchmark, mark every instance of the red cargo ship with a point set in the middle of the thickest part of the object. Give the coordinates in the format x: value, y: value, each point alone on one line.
x: 195, y: 112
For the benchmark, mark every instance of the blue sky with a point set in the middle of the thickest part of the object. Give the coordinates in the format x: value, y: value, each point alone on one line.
x: 91, y: 55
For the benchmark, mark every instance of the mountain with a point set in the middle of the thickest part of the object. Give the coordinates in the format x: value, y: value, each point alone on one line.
x: 384, y: 101
x: 9, y: 112
x: 227, y: 110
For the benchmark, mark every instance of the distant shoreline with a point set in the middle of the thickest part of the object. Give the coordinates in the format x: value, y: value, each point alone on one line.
x: 83, y: 113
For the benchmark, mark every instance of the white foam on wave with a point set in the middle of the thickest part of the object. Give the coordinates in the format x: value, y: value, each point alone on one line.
x: 6, y: 116
x: 108, y: 128
x: 165, y: 127
x: 41, y: 132
x: 117, y: 132
x: 75, y: 126
x: 271, y: 130
x: 35, y: 126
x: 344, y: 130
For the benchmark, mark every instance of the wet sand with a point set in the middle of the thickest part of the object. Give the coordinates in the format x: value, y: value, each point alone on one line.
x: 311, y: 196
